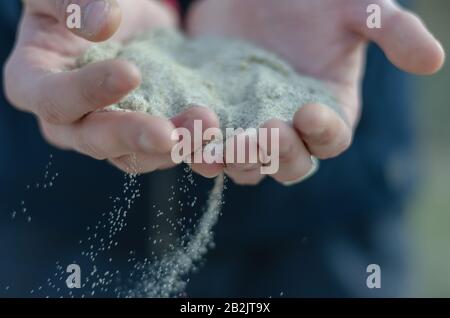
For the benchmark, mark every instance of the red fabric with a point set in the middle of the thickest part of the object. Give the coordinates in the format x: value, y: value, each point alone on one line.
x: 173, y: 4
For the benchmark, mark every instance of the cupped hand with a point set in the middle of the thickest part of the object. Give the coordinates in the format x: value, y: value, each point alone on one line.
x: 325, y: 39
x: 41, y: 78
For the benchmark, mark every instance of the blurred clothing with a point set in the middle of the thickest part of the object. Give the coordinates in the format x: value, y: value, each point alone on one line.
x: 314, y: 239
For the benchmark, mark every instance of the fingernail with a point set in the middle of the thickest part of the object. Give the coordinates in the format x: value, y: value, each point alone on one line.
x: 314, y: 168
x: 95, y: 16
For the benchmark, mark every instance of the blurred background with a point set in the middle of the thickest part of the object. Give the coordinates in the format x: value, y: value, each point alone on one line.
x: 430, y: 209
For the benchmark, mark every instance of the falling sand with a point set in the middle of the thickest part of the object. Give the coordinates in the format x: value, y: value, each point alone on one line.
x: 243, y: 84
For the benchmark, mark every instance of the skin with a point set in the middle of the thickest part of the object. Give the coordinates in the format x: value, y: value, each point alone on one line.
x: 325, y: 39
x: 38, y: 78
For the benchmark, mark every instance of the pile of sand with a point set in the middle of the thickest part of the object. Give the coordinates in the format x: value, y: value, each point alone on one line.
x: 243, y: 84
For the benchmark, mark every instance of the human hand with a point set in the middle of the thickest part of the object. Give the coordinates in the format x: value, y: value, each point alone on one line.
x: 40, y: 78
x: 324, y: 39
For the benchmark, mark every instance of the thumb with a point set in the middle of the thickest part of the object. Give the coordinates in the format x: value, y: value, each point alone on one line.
x: 405, y: 40
x: 99, y: 19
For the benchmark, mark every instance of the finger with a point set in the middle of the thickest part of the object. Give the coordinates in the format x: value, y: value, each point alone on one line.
x: 249, y: 177
x: 67, y: 96
x: 242, y: 164
x: 107, y: 135
x: 324, y: 132
x: 196, y: 119
x: 294, y: 159
x: 141, y: 163
x: 405, y: 39
x: 99, y: 19
x: 245, y: 174
x: 207, y: 170
x: 208, y: 119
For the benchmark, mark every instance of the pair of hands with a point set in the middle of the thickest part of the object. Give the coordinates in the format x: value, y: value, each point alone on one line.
x: 325, y: 39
